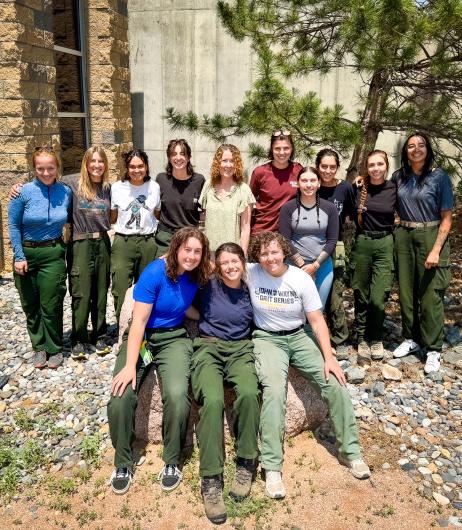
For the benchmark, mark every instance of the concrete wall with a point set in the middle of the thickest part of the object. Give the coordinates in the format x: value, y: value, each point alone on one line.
x: 181, y: 57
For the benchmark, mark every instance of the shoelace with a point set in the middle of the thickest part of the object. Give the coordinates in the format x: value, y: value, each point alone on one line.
x: 213, y: 490
x: 170, y: 470
x: 120, y: 472
x: 242, y: 475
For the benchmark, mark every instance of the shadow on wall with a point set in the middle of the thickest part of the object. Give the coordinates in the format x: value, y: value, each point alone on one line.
x: 138, y: 119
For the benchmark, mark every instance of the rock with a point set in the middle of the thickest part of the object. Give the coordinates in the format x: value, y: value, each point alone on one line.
x: 452, y: 357
x: 2, y: 406
x: 426, y: 422
x: 452, y: 335
x: 355, y: 375
x: 391, y: 373
x: 411, y: 359
x: 305, y: 410
x: 437, y: 479
x: 440, y: 499
x: 424, y: 471
x: 378, y: 389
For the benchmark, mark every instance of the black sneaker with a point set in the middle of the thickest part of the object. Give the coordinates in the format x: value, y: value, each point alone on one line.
x: 245, y: 470
x: 78, y: 352
x: 121, y: 479
x: 212, y: 495
x: 170, y: 477
x: 102, y: 348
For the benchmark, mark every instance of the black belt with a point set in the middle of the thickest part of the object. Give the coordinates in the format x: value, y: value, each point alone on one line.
x: 164, y: 228
x: 47, y: 243
x: 375, y: 234
x: 282, y: 332
x: 126, y: 236
x: 158, y: 330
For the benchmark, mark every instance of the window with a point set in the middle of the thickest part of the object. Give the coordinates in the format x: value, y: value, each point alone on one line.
x: 71, y: 93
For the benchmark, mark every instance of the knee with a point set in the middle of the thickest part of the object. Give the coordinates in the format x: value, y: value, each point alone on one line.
x: 274, y: 394
x: 118, y: 406
x: 248, y: 394
x: 213, y: 403
x: 175, y: 396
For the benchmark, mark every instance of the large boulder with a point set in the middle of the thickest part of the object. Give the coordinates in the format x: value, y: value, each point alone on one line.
x: 305, y: 408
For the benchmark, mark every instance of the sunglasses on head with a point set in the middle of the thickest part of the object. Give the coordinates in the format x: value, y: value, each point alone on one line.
x: 281, y: 132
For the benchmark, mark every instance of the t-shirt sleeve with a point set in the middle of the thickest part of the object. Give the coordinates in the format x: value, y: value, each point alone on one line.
x: 446, y: 195
x: 156, y: 190
x: 332, y: 228
x: 114, y: 192
x: 255, y: 183
x: 350, y: 202
x: 203, y: 197
x: 247, y: 198
x: 285, y: 223
x: 148, y: 285
x: 309, y: 293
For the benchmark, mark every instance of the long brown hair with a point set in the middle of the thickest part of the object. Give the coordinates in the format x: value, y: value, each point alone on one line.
x: 185, y: 150
x: 86, y: 187
x: 238, y: 165
x: 366, y: 181
x: 201, y: 273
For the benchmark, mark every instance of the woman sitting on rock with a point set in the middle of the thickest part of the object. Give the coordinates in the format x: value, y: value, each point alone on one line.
x: 284, y: 298
x: 162, y: 294
x: 224, y: 353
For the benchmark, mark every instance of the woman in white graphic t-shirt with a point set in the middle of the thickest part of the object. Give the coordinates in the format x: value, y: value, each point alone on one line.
x: 135, y: 208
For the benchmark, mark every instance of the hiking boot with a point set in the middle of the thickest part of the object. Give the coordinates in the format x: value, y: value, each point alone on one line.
x: 39, y: 359
x: 358, y: 468
x: 243, y: 479
x: 364, y: 353
x: 78, y: 352
x: 341, y: 352
x: 433, y: 362
x: 55, y: 360
x: 102, y: 348
x: 212, y: 495
x: 407, y: 347
x: 120, y: 480
x: 377, y: 351
x: 170, y: 477
x: 274, y: 486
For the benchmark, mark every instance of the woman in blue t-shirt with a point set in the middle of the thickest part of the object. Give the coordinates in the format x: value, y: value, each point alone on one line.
x: 162, y: 295
x: 223, y: 352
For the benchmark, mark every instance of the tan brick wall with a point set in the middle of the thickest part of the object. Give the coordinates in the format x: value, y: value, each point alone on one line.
x: 29, y: 114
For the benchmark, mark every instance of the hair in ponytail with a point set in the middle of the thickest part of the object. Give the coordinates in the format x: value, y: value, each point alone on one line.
x: 366, y: 181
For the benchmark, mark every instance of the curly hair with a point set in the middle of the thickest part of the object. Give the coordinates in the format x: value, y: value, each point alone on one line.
x: 86, y: 188
x: 263, y: 239
x: 129, y: 156
x: 201, y: 273
x: 232, y: 248
x: 238, y: 165
x: 366, y: 181
x: 406, y: 168
x: 185, y: 150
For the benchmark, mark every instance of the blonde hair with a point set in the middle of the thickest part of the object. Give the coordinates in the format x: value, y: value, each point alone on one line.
x: 366, y: 181
x: 238, y: 165
x: 46, y: 150
x: 86, y: 188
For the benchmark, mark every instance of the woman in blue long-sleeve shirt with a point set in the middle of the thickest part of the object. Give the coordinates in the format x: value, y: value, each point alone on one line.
x: 36, y: 219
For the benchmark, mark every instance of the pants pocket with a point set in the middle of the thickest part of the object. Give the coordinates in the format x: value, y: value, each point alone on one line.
x: 75, y: 282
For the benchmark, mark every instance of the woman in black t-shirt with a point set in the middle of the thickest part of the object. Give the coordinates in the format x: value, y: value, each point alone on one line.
x: 180, y: 189
x: 372, y: 255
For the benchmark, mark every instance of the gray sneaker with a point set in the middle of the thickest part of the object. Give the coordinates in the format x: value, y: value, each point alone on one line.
x: 243, y: 479
x: 102, y: 348
x: 39, y: 359
x: 55, y: 360
x: 377, y: 351
x: 364, y: 353
x: 212, y: 495
x: 78, y: 352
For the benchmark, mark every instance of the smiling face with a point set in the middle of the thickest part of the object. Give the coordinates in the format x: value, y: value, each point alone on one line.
x: 136, y: 171
x: 96, y: 168
x: 46, y: 169
x: 377, y: 168
x: 189, y: 255
x: 272, y: 259
x: 308, y: 183
x: 179, y: 159
x: 231, y: 268
x: 282, y: 151
x: 328, y: 170
x: 227, y: 165
x: 416, y: 151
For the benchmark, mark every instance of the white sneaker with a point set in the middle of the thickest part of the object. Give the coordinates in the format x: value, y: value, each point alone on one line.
x: 274, y: 486
x: 407, y: 347
x: 358, y: 468
x: 433, y: 362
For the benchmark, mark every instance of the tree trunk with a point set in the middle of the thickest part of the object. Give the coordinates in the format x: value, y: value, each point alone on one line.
x: 370, y: 123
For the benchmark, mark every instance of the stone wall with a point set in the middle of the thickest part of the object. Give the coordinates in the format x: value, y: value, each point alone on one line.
x: 29, y: 114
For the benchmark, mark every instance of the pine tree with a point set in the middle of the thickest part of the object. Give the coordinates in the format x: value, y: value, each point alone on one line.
x: 408, y: 54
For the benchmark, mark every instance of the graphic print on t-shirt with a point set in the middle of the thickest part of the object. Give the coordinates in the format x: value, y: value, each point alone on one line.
x: 95, y: 208
x: 135, y: 208
x: 276, y: 300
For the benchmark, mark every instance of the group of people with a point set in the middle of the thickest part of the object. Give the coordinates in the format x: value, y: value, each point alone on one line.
x: 257, y: 265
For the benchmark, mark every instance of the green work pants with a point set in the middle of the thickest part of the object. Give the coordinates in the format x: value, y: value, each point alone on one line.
x: 163, y: 239
x: 171, y: 351
x: 273, y: 355
x: 371, y: 279
x: 42, y: 291
x: 335, y: 311
x: 421, y: 290
x: 90, y: 266
x: 214, y: 362
x: 129, y: 256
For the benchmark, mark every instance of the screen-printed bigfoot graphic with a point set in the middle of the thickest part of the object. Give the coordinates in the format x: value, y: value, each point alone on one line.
x: 135, y: 207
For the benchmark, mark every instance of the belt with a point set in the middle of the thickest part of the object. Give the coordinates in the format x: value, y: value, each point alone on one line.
x: 413, y: 224
x: 164, y: 228
x: 47, y: 243
x: 373, y: 234
x: 282, y: 332
x: 126, y: 236
x: 157, y: 330
x: 92, y: 235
